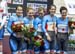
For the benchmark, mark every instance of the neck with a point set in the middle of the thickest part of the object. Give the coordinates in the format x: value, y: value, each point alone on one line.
x: 40, y: 17
x: 63, y: 18
x: 18, y: 16
x: 51, y: 15
x: 30, y: 18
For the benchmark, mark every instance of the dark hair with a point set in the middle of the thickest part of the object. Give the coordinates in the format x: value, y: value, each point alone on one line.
x: 63, y: 8
x: 51, y: 6
x: 18, y: 6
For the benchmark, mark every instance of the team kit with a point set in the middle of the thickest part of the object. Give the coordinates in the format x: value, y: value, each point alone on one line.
x: 41, y: 34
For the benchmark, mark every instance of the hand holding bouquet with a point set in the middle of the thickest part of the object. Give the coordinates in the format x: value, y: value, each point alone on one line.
x: 29, y: 33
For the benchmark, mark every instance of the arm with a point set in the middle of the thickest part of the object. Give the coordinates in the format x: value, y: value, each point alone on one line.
x: 9, y: 26
x: 35, y: 24
x: 3, y: 21
x: 44, y: 25
x: 44, y: 29
x: 35, y: 27
x: 56, y: 27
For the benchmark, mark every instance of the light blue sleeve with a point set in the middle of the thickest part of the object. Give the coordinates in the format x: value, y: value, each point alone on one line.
x: 57, y: 21
x: 25, y: 20
x: 35, y: 26
x: 9, y: 25
x: 44, y: 24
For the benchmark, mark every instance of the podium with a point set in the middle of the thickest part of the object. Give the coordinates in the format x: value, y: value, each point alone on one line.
x: 6, y: 47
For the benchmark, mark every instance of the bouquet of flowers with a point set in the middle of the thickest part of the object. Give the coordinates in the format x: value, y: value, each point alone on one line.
x: 38, y: 41
x: 71, y: 25
x: 17, y: 27
x: 28, y: 32
x: 72, y: 43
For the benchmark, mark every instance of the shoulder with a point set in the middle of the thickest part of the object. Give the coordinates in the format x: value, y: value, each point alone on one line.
x: 67, y: 18
x: 37, y: 18
x: 46, y: 16
x: 56, y: 17
x: 25, y: 18
x: 12, y: 17
x: 59, y: 18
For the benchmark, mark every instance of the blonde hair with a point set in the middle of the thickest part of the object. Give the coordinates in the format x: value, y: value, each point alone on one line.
x: 40, y: 9
x: 29, y: 8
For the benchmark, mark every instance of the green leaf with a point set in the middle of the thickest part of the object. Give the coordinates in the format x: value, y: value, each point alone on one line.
x: 37, y: 43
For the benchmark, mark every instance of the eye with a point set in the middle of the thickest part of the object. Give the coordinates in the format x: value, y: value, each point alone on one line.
x: 31, y: 13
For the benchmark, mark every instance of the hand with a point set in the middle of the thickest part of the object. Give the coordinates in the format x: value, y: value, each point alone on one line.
x: 48, y: 38
x: 55, y: 30
x: 39, y: 36
x: 27, y: 39
x: 0, y: 27
x: 72, y: 25
x: 13, y: 34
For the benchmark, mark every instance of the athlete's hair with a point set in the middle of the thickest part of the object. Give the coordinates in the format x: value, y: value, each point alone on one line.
x: 29, y: 8
x: 63, y: 8
x: 51, y: 6
x: 40, y: 9
x: 18, y: 6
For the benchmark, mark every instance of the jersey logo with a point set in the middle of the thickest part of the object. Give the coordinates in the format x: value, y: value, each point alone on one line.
x: 50, y: 26
x: 39, y: 27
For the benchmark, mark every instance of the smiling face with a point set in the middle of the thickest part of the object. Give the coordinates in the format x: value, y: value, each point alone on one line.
x: 19, y: 11
x: 63, y: 12
x: 30, y: 13
x: 52, y: 10
x: 41, y: 13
